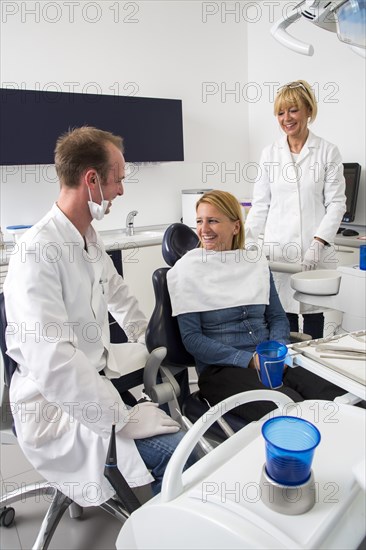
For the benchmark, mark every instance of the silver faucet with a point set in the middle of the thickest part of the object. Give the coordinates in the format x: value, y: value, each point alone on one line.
x: 129, y: 222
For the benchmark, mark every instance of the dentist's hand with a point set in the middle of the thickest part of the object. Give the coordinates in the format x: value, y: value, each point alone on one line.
x: 147, y: 420
x: 312, y: 255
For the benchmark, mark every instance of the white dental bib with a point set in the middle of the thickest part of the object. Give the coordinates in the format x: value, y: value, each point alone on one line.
x: 205, y: 280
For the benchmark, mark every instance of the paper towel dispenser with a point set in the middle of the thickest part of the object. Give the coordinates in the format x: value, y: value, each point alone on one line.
x: 31, y: 122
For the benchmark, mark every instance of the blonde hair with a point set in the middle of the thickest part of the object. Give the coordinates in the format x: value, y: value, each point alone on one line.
x: 298, y: 93
x: 230, y: 207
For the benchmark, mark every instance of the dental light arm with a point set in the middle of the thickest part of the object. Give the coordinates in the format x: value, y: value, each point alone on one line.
x: 320, y: 12
x: 359, y: 51
x: 279, y: 32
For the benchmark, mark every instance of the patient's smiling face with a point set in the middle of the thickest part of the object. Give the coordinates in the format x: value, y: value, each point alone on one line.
x: 215, y: 229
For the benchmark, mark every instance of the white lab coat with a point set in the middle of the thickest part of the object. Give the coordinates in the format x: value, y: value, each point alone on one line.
x: 295, y: 201
x: 57, y: 296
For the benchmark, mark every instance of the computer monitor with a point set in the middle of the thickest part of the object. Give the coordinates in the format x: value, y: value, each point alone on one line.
x: 352, y: 173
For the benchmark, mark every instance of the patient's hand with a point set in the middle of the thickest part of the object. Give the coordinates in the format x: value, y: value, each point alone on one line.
x: 254, y: 362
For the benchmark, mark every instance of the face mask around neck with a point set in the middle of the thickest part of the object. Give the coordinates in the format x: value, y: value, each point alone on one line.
x: 97, y: 211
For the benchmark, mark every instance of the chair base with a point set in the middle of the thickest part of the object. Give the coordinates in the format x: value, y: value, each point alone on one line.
x: 59, y: 504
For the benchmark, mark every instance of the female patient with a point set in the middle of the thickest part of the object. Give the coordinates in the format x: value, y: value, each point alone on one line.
x: 226, y: 304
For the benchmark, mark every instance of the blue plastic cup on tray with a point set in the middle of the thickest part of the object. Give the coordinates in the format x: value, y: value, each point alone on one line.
x: 271, y: 357
x: 363, y: 257
x: 290, y: 445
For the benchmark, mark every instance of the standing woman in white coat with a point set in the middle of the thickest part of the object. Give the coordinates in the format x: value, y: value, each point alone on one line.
x: 299, y: 199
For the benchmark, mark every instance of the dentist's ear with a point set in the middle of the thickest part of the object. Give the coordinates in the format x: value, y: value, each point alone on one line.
x: 91, y: 177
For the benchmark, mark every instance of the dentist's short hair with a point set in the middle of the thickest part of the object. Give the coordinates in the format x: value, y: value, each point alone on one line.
x: 81, y: 149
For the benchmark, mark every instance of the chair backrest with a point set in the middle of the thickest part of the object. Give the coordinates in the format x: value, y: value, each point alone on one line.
x: 178, y: 239
x: 163, y: 329
x: 9, y: 364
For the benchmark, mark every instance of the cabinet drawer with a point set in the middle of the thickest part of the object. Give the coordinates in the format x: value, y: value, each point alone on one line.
x: 138, y: 266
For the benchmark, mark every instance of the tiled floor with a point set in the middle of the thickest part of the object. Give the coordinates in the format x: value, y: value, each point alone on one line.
x: 96, y: 529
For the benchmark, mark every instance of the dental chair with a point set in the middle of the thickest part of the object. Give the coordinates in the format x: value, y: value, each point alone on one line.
x: 59, y: 502
x: 163, y: 333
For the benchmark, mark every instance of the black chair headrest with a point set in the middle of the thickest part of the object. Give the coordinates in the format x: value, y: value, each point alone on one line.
x: 177, y: 240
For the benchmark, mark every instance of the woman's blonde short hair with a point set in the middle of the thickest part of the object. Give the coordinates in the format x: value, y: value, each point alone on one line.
x: 230, y: 207
x: 296, y: 93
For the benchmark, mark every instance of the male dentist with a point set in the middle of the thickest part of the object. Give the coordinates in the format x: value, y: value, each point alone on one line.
x: 60, y: 286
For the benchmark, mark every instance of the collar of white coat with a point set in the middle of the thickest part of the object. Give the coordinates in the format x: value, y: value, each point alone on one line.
x: 313, y: 142
x: 91, y: 235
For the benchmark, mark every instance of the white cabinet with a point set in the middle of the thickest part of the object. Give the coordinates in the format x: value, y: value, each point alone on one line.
x: 347, y: 255
x: 139, y: 263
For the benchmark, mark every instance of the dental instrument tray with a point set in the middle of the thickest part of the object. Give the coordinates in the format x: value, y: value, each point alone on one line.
x: 217, y: 503
x: 345, y: 353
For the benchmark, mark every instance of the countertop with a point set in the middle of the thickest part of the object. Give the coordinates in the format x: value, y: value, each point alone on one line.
x: 114, y: 239
x: 150, y: 235
x: 354, y: 242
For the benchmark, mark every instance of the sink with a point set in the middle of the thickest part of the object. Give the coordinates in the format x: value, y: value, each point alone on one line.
x: 320, y: 282
x: 146, y: 235
x: 138, y: 233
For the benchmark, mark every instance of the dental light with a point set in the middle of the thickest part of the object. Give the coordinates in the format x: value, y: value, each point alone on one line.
x: 345, y: 17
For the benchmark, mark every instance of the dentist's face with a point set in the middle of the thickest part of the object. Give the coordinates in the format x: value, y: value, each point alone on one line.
x: 294, y: 121
x: 215, y: 230
x: 113, y: 186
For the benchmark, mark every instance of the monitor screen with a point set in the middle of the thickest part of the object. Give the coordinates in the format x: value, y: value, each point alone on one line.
x: 31, y: 122
x: 352, y: 173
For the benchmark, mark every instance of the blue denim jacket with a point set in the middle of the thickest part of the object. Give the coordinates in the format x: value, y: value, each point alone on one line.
x: 228, y: 337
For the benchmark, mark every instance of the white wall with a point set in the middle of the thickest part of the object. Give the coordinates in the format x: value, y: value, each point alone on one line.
x: 216, y: 56
x: 336, y: 73
x: 157, y: 49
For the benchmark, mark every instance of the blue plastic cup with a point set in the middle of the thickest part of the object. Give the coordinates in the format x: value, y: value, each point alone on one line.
x: 290, y: 446
x: 363, y: 257
x: 271, y: 357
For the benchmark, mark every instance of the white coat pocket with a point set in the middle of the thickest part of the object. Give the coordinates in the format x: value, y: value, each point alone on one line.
x: 38, y: 421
